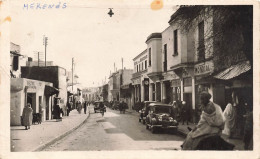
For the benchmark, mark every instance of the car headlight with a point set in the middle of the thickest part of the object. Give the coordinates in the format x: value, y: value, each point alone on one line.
x: 160, y: 118
x: 153, y: 119
x: 171, y: 119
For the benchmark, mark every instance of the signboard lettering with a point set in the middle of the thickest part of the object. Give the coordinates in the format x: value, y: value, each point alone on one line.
x: 203, y: 68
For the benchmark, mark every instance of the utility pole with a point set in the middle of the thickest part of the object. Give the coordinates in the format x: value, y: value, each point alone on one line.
x: 72, y: 72
x: 122, y: 63
x: 38, y: 59
x: 45, y: 43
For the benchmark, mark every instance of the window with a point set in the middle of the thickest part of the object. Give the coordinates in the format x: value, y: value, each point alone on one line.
x: 150, y: 57
x: 137, y: 68
x: 201, y: 48
x: 15, y: 63
x: 145, y: 64
x: 175, y: 40
x: 142, y: 66
x: 165, y: 58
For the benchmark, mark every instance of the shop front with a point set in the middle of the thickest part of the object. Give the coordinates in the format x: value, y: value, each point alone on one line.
x: 25, y: 91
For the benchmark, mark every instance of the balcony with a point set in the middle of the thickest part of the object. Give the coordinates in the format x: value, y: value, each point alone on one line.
x: 137, y: 74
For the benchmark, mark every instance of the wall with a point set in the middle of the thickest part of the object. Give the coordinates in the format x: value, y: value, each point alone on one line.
x: 156, y: 51
x: 127, y: 75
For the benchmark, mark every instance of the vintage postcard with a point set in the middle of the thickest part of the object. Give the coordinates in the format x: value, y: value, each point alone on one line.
x: 129, y: 79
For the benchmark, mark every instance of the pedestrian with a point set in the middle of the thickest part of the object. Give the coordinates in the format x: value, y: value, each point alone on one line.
x: 57, y: 112
x: 27, y: 116
x: 120, y: 106
x: 175, y: 111
x: 211, y: 123
x: 248, y: 130
x: 124, y: 107
x: 184, y: 113
x: 79, y: 107
x: 85, y: 107
x: 69, y: 105
x: 230, y: 115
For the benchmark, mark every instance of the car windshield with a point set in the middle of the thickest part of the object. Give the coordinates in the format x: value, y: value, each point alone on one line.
x: 162, y: 109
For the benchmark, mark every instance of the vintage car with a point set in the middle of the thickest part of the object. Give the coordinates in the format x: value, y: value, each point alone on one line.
x: 97, y: 108
x: 144, y: 112
x: 160, y: 116
x: 115, y: 105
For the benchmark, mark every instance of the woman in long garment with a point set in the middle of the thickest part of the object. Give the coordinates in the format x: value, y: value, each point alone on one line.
x: 230, y: 114
x: 27, y: 116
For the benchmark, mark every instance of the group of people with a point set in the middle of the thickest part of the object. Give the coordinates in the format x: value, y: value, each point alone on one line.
x: 79, y: 106
x: 214, y: 122
x: 180, y: 111
x: 122, y: 107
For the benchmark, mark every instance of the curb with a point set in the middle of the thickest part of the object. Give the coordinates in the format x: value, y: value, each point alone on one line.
x: 43, y: 146
x: 182, y: 133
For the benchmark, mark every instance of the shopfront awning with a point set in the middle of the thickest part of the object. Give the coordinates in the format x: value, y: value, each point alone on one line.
x: 50, y: 90
x: 234, y: 71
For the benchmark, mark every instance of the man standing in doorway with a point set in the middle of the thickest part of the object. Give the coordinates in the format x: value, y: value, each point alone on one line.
x: 184, y: 113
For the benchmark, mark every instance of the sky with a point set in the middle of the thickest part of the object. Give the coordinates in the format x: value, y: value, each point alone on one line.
x: 84, y: 31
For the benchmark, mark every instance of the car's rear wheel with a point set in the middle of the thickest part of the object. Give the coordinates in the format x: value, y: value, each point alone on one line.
x: 144, y: 122
x: 147, y: 127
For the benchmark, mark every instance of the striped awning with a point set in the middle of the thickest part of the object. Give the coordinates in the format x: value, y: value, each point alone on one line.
x: 234, y: 71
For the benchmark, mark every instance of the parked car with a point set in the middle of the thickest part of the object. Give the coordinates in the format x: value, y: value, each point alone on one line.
x: 144, y: 112
x: 115, y: 105
x: 160, y: 116
x: 97, y: 108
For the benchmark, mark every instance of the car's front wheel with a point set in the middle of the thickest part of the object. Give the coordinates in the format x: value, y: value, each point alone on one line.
x: 139, y: 120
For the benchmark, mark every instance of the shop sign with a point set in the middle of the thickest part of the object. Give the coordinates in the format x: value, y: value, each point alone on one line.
x: 204, y: 68
x: 186, y: 82
x: 140, y: 60
x: 176, y: 83
x: 31, y: 86
x: 137, y: 81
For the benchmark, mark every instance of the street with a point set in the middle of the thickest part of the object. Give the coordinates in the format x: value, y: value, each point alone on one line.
x: 115, y: 131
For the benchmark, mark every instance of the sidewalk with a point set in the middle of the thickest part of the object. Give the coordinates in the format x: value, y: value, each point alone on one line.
x: 46, y: 133
x: 239, y: 144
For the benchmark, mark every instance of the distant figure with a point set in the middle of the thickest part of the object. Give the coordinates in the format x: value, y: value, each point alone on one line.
x: 120, y: 106
x: 85, y: 107
x: 175, y: 111
x: 79, y: 107
x: 27, y: 116
x: 69, y: 105
x: 248, y: 130
x: 57, y: 112
x: 184, y: 113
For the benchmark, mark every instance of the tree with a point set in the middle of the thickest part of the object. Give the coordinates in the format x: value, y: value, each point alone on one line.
x: 231, y: 30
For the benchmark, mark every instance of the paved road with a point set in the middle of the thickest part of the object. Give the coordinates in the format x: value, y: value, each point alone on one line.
x: 115, y: 131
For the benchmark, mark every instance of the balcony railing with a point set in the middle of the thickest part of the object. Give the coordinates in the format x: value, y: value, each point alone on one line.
x: 137, y: 74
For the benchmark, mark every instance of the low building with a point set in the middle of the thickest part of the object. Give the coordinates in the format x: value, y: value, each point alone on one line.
x: 52, y: 74
x: 39, y: 94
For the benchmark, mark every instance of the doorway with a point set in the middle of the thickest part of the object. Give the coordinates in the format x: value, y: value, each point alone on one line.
x: 31, y: 98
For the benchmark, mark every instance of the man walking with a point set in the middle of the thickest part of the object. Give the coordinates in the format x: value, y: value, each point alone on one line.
x: 85, y: 107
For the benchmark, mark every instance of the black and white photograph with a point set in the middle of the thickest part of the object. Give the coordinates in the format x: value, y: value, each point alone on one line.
x: 129, y: 79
